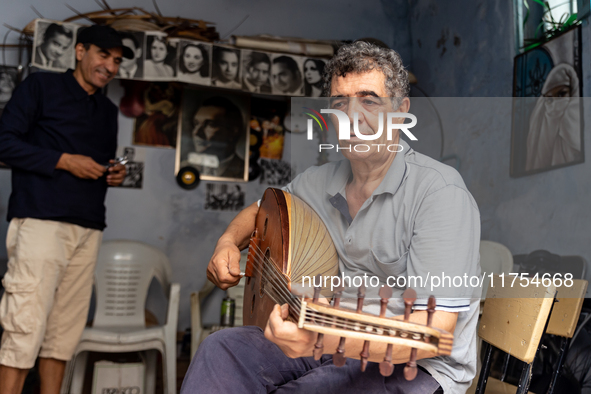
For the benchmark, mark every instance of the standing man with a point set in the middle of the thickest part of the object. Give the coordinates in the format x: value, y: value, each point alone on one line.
x: 58, y: 133
x: 390, y: 214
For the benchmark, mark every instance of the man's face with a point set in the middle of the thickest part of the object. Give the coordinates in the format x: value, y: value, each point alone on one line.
x: 6, y: 83
x: 128, y: 64
x: 54, y: 47
x: 258, y: 74
x: 365, y: 94
x: 96, y: 66
x: 228, y: 66
x: 283, y: 78
x: 212, y: 129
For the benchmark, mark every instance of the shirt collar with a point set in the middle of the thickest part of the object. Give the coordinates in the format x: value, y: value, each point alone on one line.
x: 77, y: 91
x: 391, y: 182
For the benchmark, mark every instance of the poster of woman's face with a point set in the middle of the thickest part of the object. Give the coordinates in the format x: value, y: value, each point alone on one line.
x: 256, y: 71
x: 547, y: 111
x: 8, y: 81
x: 313, y: 82
x: 194, y: 63
x: 132, y: 68
x: 160, y: 57
x: 213, y: 134
x: 54, y: 45
x: 287, y: 75
x: 225, y: 72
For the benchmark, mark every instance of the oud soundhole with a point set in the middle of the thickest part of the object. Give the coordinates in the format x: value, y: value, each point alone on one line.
x: 264, y: 271
x: 265, y: 227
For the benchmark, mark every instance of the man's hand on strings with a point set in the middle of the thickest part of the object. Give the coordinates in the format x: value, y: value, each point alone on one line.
x: 293, y: 341
x: 224, y: 267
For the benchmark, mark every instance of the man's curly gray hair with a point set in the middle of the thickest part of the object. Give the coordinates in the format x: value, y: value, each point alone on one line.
x: 360, y: 57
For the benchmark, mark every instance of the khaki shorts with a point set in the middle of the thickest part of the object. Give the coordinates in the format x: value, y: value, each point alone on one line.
x: 48, y: 287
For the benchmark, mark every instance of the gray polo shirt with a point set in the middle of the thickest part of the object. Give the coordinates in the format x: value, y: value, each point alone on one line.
x: 420, y: 221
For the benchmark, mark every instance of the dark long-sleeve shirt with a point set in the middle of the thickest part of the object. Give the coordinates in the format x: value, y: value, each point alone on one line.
x: 51, y: 114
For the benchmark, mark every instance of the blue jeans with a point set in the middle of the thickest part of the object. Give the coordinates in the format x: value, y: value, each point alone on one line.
x: 242, y: 360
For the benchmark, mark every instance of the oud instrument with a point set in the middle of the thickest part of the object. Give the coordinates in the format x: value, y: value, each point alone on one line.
x: 290, y: 241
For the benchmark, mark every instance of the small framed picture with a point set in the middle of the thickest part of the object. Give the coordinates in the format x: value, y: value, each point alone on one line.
x: 132, y: 68
x: 54, y: 45
x: 225, y: 70
x: 547, y: 125
x: 313, y: 82
x: 256, y: 71
x: 194, y: 63
x: 8, y: 80
x: 213, y: 134
x: 160, y: 57
x: 287, y: 75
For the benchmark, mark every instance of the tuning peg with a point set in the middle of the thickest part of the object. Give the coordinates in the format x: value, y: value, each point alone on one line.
x: 409, y: 296
x: 431, y: 304
x: 317, y: 289
x: 365, y: 351
x: 385, y: 294
x: 410, y: 370
x: 386, y: 367
x: 338, y: 292
x: 319, y: 347
x: 339, y: 358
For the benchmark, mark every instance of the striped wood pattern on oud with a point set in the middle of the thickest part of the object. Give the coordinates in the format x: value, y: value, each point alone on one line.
x: 294, y: 239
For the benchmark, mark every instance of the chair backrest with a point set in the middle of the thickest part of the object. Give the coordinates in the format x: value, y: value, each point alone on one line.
x: 495, y: 258
x: 565, y: 313
x: 123, y: 274
x: 514, y: 317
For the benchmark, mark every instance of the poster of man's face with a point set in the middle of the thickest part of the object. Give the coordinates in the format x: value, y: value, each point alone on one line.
x: 8, y: 81
x: 547, y: 111
x: 213, y: 134
x: 225, y: 72
x: 132, y: 68
x: 287, y: 75
x: 256, y: 71
x: 54, y: 45
x: 160, y: 57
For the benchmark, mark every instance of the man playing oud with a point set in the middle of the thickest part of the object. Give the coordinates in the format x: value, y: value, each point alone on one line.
x: 389, y: 214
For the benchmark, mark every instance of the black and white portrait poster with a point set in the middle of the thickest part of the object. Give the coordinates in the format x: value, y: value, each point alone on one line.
x: 224, y: 197
x: 225, y: 70
x: 287, y: 75
x: 548, y: 113
x: 256, y: 71
x: 8, y: 81
x: 194, y: 63
x: 132, y: 68
x: 313, y: 82
x: 213, y: 133
x: 53, y: 45
x: 160, y: 57
x: 275, y: 172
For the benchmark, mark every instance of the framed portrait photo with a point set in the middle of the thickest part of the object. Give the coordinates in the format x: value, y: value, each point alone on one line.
x: 287, y: 77
x: 213, y: 134
x: 53, y: 45
x: 160, y: 57
x: 225, y: 69
x: 194, y: 63
x: 547, y: 124
x: 9, y: 78
x: 132, y: 68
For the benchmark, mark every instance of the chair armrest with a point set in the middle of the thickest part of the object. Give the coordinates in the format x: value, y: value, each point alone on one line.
x: 173, y: 306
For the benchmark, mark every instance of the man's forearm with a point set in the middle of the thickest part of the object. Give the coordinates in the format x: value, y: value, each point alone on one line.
x: 241, y: 227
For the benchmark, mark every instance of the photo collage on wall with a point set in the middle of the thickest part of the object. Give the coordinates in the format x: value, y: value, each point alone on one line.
x: 160, y: 58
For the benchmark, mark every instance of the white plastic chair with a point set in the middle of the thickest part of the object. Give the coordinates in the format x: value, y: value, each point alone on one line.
x: 123, y: 275
x: 495, y: 258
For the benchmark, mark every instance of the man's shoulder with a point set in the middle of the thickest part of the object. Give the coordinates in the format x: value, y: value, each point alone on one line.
x: 319, y: 174
x: 432, y: 172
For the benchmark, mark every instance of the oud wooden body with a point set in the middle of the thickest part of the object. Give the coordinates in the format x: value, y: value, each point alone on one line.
x: 289, y: 235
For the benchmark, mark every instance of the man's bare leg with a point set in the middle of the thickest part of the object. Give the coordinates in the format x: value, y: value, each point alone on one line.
x: 51, y: 372
x: 12, y: 380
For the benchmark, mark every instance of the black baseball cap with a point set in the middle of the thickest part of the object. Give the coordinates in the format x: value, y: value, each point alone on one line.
x: 104, y: 37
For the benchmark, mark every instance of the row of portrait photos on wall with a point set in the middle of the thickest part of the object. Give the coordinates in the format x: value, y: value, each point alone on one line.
x: 160, y: 59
